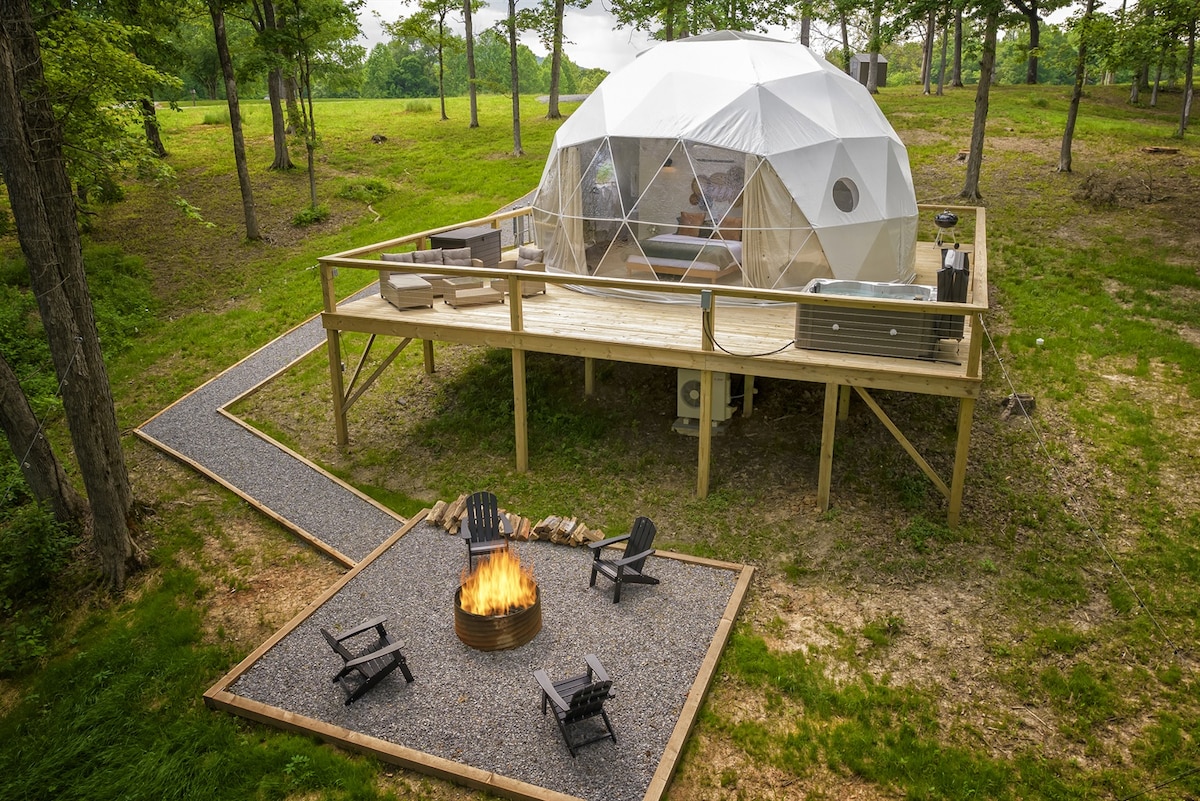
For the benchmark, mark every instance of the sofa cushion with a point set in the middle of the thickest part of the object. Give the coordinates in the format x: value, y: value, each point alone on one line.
x: 527, y: 254
x: 406, y: 258
x: 731, y: 228
x: 428, y: 256
x: 456, y: 257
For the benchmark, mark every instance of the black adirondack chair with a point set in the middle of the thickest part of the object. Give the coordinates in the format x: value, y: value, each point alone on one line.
x: 360, y: 672
x: 484, y: 528
x: 578, y: 699
x: 627, y: 569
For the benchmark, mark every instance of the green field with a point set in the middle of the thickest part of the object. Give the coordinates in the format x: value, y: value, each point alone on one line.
x: 1046, y: 648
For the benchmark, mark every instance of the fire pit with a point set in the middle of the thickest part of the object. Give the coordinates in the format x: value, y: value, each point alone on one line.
x: 498, y: 605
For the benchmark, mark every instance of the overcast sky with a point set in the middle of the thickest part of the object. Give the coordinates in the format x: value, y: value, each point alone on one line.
x: 593, y: 42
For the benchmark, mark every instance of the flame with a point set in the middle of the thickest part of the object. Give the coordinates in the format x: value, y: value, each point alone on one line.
x: 498, y: 586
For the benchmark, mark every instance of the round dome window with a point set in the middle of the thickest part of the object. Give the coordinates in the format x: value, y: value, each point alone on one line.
x: 845, y: 194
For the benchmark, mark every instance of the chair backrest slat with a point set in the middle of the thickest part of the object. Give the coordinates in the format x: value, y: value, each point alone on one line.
x: 587, y: 701
x: 641, y: 538
x: 483, y: 517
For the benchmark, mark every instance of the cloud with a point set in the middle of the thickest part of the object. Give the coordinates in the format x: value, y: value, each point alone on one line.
x: 593, y: 42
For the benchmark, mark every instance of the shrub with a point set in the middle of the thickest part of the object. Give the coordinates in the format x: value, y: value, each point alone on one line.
x: 418, y: 106
x: 34, y: 551
x: 310, y: 215
x: 218, y: 116
x: 368, y: 191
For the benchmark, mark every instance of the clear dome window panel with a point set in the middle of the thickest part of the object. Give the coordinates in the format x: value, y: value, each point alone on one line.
x: 719, y: 178
x: 616, y: 257
x: 659, y: 184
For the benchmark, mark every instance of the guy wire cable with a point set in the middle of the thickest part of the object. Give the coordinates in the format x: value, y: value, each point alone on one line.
x: 1082, y: 513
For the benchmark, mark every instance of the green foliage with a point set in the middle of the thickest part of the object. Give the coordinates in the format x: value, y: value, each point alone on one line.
x: 192, y: 213
x: 34, y: 551
x: 120, y: 717
x: 217, y: 116
x: 310, y: 215
x: 96, y: 82
x: 371, y: 190
x: 418, y: 107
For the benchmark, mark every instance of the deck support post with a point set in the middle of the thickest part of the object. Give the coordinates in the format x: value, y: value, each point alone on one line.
x: 427, y: 346
x: 966, y: 412
x: 333, y: 344
x: 828, y: 426
x: 748, y: 397
x: 589, y: 376
x: 520, y: 418
x: 844, y: 393
x: 705, y: 433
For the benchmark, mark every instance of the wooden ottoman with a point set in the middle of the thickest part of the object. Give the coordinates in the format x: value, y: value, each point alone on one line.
x: 406, y: 291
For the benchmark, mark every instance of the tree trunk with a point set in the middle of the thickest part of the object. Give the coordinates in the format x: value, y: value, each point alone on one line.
x: 873, y: 66
x: 42, y: 471
x: 266, y: 24
x: 442, y: 70
x: 805, y: 24
x: 846, y: 45
x: 150, y: 123
x: 1064, y: 153
x: 471, y: 88
x: 942, y: 68
x: 291, y: 95
x: 552, y: 112
x: 956, y: 73
x: 987, y: 64
x: 43, y: 208
x: 1189, y: 67
x: 275, y: 91
x: 516, y: 79
x: 1157, y: 81
x: 1029, y: 10
x: 927, y: 53
x: 235, y: 119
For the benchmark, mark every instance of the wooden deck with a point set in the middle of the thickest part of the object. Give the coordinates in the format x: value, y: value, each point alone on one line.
x: 703, y: 331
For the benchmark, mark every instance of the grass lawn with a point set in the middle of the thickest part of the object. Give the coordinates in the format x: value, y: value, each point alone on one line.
x: 1046, y: 648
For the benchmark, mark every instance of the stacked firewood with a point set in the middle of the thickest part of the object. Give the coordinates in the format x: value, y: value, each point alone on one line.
x: 559, y: 530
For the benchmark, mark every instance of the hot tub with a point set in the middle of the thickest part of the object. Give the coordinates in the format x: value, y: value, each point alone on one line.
x: 874, y: 332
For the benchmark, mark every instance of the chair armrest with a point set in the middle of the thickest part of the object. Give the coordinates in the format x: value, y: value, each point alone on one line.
x: 610, y: 541
x: 628, y: 560
x: 365, y: 658
x: 543, y: 680
x: 595, y: 668
x: 505, y: 525
x: 359, y: 629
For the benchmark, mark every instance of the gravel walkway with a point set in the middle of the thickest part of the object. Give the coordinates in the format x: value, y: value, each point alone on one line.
x: 482, y: 708
x: 306, y: 500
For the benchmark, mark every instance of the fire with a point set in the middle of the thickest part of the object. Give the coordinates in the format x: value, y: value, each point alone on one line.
x: 498, y: 586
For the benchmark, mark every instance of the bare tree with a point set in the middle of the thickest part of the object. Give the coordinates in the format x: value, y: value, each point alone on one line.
x: 1064, y: 153
x: 987, y: 65
x: 513, y: 73
x: 472, y: 88
x: 217, y: 12
x: 43, y: 207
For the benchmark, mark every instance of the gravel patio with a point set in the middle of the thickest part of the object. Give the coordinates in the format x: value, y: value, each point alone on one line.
x: 474, y: 717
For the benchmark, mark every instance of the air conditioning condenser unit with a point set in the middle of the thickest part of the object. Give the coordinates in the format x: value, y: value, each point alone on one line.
x: 687, y: 396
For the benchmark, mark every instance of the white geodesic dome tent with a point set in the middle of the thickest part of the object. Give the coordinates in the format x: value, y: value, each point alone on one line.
x: 733, y: 158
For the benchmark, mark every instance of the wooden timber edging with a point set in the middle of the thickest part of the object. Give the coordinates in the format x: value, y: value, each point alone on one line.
x: 305, y: 535
x: 219, y: 697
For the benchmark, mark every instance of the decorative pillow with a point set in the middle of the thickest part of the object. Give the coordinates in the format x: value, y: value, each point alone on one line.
x: 407, y: 258
x: 456, y: 257
x: 527, y: 254
x: 428, y: 256
x: 690, y: 222
x: 731, y: 228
